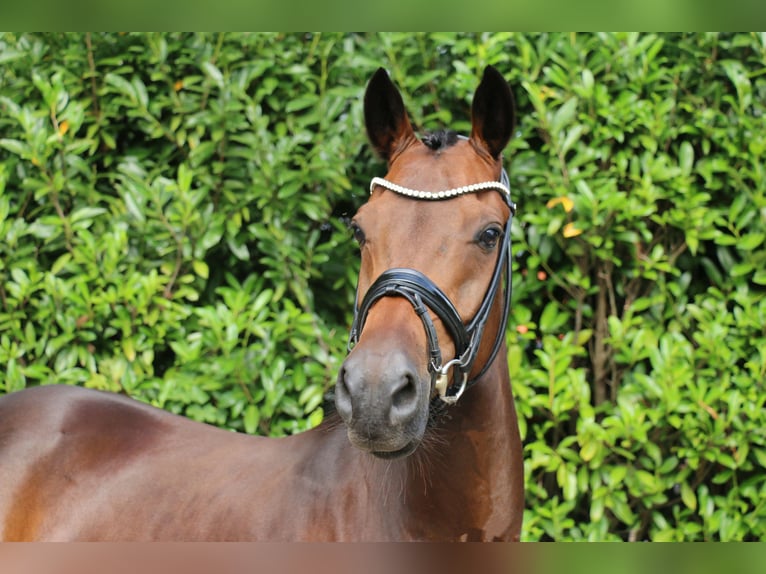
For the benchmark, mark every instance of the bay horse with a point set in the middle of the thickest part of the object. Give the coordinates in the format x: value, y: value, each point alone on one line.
x: 424, y: 443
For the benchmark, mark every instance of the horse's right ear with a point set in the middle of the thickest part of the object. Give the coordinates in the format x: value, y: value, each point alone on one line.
x: 388, y: 126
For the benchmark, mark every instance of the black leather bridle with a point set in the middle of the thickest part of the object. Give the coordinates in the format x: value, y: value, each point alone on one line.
x: 423, y: 294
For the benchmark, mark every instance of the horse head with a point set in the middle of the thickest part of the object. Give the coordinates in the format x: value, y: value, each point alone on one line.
x: 434, y: 241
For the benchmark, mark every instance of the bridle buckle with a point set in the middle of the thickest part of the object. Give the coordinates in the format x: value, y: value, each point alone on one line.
x: 441, y: 384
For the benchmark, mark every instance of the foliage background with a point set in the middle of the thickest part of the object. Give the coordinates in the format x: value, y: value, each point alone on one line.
x: 172, y: 227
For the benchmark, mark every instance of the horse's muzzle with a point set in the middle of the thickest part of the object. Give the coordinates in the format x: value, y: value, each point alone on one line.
x: 383, y: 401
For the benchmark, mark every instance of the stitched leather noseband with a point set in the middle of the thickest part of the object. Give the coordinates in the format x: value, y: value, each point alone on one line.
x: 423, y: 294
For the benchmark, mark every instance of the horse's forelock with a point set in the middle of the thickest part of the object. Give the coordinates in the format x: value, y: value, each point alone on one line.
x: 440, y: 139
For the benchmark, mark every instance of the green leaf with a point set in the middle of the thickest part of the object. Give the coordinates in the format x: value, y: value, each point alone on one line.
x: 139, y: 89
x: 84, y: 213
x: 213, y: 72
x: 725, y: 459
x: 128, y: 347
x: 623, y: 512
x: 647, y: 479
x: 692, y: 240
x: 302, y: 102
x: 251, y: 418
x: 239, y: 250
x: 589, y: 450
x: 583, y: 337
x: 201, y: 268
x: 617, y: 474
x: 15, y: 146
x: 738, y: 75
x: 686, y: 158
x: 750, y: 241
x: 587, y: 82
x: 548, y: 318
x: 8, y: 55
x: 263, y: 299
x: 61, y: 263
x: 185, y: 176
x: 121, y: 84
x: 564, y: 115
x: 688, y: 497
x: 5, y: 205
x: 572, y: 137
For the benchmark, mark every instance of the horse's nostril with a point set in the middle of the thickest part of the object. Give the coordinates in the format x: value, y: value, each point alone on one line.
x: 343, y: 395
x: 341, y: 383
x: 404, y: 398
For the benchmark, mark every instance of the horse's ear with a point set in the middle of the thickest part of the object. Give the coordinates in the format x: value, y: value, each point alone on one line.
x: 492, y: 113
x: 388, y: 126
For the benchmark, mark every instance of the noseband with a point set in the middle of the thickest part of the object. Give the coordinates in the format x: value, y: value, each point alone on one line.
x: 423, y: 294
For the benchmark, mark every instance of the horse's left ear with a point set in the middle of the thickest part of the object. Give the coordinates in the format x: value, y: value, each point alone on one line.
x: 492, y: 113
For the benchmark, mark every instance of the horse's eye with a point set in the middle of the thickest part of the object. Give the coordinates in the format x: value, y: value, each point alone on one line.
x: 489, y: 237
x: 357, y: 233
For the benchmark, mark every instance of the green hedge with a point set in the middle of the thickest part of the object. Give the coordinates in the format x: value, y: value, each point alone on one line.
x: 172, y: 226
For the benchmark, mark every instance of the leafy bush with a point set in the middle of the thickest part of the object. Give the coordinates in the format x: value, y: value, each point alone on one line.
x: 171, y: 224
x: 642, y: 286
x: 168, y: 215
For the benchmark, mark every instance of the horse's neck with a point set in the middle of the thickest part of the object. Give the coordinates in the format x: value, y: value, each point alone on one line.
x: 466, y: 477
x: 474, y: 470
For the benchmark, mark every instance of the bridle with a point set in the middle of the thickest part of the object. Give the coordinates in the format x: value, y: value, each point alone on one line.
x: 423, y: 294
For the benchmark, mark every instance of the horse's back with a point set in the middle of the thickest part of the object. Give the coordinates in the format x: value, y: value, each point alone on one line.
x: 82, y: 464
x: 39, y: 419
x: 77, y: 464
x: 58, y: 441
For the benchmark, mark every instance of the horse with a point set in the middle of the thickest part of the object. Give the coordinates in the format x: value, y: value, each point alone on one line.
x: 423, y: 443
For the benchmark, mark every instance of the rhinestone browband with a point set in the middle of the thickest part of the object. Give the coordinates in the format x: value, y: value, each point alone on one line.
x: 473, y: 188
